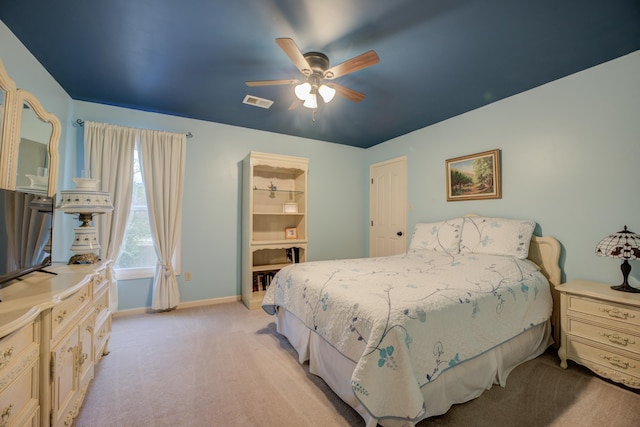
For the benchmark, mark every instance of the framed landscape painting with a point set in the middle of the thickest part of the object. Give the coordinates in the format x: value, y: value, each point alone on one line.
x: 473, y: 177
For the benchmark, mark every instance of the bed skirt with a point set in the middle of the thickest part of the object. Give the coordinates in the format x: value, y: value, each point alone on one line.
x: 459, y: 384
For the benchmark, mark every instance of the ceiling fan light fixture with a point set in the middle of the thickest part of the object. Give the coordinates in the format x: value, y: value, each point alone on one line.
x: 302, y: 91
x: 327, y: 93
x: 311, y: 101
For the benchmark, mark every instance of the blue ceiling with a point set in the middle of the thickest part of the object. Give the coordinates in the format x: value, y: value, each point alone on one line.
x: 438, y: 58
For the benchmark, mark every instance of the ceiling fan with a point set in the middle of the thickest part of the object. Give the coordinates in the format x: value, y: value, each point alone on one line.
x: 314, y: 66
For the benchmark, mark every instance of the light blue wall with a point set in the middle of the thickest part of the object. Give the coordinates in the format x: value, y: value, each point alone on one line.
x: 28, y: 74
x: 212, y: 198
x: 570, y: 161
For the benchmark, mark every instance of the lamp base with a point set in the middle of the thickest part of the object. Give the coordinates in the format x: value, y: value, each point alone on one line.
x: 625, y: 287
x: 84, y: 259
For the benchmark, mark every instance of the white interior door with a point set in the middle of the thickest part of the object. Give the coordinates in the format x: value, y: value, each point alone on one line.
x: 388, y: 207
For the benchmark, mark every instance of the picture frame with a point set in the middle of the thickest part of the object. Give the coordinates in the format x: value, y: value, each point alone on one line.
x: 291, y: 233
x: 290, y: 208
x: 474, y: 177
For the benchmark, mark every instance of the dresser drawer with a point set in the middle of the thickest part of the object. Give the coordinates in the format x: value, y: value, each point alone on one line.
x: 99, y: 281
x: 20, y: 399
x: 15, y: 345
x: 619, y: 367
x: 622, y: 315
x: 101, y: 302
x: 103, y: 332
x: 64, y: 312
x: 602, y: 334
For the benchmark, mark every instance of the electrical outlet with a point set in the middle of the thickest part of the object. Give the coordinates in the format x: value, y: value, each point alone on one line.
x: 187, y: 276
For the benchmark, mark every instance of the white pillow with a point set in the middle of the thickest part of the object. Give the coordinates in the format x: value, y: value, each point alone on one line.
x: 441, y: 236
x: 496, y: 236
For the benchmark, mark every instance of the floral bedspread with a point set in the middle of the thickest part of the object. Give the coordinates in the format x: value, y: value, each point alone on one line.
x: 405, y: 319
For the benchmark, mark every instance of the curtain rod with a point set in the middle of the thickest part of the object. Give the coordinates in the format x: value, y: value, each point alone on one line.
x: 80, y: 122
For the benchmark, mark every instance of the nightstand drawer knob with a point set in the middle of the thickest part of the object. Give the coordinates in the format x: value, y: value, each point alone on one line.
x: 617, y: 339
x: 617, y: 362
x: 614, y: 312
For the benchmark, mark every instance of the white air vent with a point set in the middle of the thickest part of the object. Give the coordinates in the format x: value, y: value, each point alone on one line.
x: 258, y: 102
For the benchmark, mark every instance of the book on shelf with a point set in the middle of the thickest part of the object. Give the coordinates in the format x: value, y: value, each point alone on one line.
x: 293, y: 255
x: 262, y: 280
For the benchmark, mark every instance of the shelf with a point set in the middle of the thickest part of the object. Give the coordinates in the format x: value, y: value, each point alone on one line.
x: 267, y: 190
x: 269, y: 267
x: 286, y: 243
x: 280, y: 213
x: 274, y: 201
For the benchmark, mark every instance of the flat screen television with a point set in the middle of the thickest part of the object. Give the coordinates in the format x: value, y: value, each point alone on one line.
x: 26, y: 232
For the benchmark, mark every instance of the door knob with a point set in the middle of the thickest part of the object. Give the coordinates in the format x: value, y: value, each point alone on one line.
x: 399, y: 233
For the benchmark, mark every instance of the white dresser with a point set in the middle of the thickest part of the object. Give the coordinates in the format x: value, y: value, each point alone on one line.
x: 53, y: 329
x: 19, y: 373
x: 600, y: 329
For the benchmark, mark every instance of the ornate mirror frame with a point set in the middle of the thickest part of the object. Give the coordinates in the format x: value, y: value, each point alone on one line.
x: 7, y: 111
x: 15, y: 101
x: 25, y: 100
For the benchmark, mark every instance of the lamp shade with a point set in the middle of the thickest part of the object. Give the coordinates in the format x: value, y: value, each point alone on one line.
x: 327, y: 93
x: 302, y: 91
x: 311, y: 101
x: 79, y: 201
x: 42, y: 204
x: 624, y: 244
x: 85, y: 198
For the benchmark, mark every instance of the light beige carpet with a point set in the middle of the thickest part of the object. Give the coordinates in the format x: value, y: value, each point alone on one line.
x: 223, y: 365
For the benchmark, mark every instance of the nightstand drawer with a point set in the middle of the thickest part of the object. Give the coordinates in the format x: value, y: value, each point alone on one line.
x: 619, y: 367
x: 605, y: 310
x: 604, y: 335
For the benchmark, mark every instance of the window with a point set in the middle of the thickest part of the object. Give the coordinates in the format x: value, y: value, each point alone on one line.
x: 138, y: 257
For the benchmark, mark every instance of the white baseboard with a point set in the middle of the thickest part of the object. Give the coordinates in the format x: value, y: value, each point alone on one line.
x: 186, y: 304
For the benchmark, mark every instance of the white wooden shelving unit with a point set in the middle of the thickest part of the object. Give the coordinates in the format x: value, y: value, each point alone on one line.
x: 274, y: 219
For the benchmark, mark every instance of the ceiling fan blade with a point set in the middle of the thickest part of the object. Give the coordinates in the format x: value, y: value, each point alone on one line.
x: 272, y: 82
x: 347, y: 93
x: 291, y: 49
x: 295, y: 104
x: 365, y: 60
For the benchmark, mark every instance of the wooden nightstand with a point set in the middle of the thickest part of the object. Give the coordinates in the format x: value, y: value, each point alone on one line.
x: 600, y: 329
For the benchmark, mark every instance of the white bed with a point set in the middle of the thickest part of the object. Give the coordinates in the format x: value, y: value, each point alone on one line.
x: 403, y: 338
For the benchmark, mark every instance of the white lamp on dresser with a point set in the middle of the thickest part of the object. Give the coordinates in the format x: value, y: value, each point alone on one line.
x: 85, y: 201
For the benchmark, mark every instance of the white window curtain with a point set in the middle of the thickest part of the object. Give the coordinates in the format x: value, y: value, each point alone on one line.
x: 109, y: 151
x: 162, y: 160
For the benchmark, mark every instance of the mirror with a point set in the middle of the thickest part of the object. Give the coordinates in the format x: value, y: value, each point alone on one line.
x: 29, y: 145
x: 36, y: 146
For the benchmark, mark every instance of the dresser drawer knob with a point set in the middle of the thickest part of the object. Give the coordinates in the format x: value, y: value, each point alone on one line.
x: 60, y: 317
x: 617, y: 362
x: 6, y: 415
x: 617, y: 339
x: 614, y: 312
x: 5, y: 358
